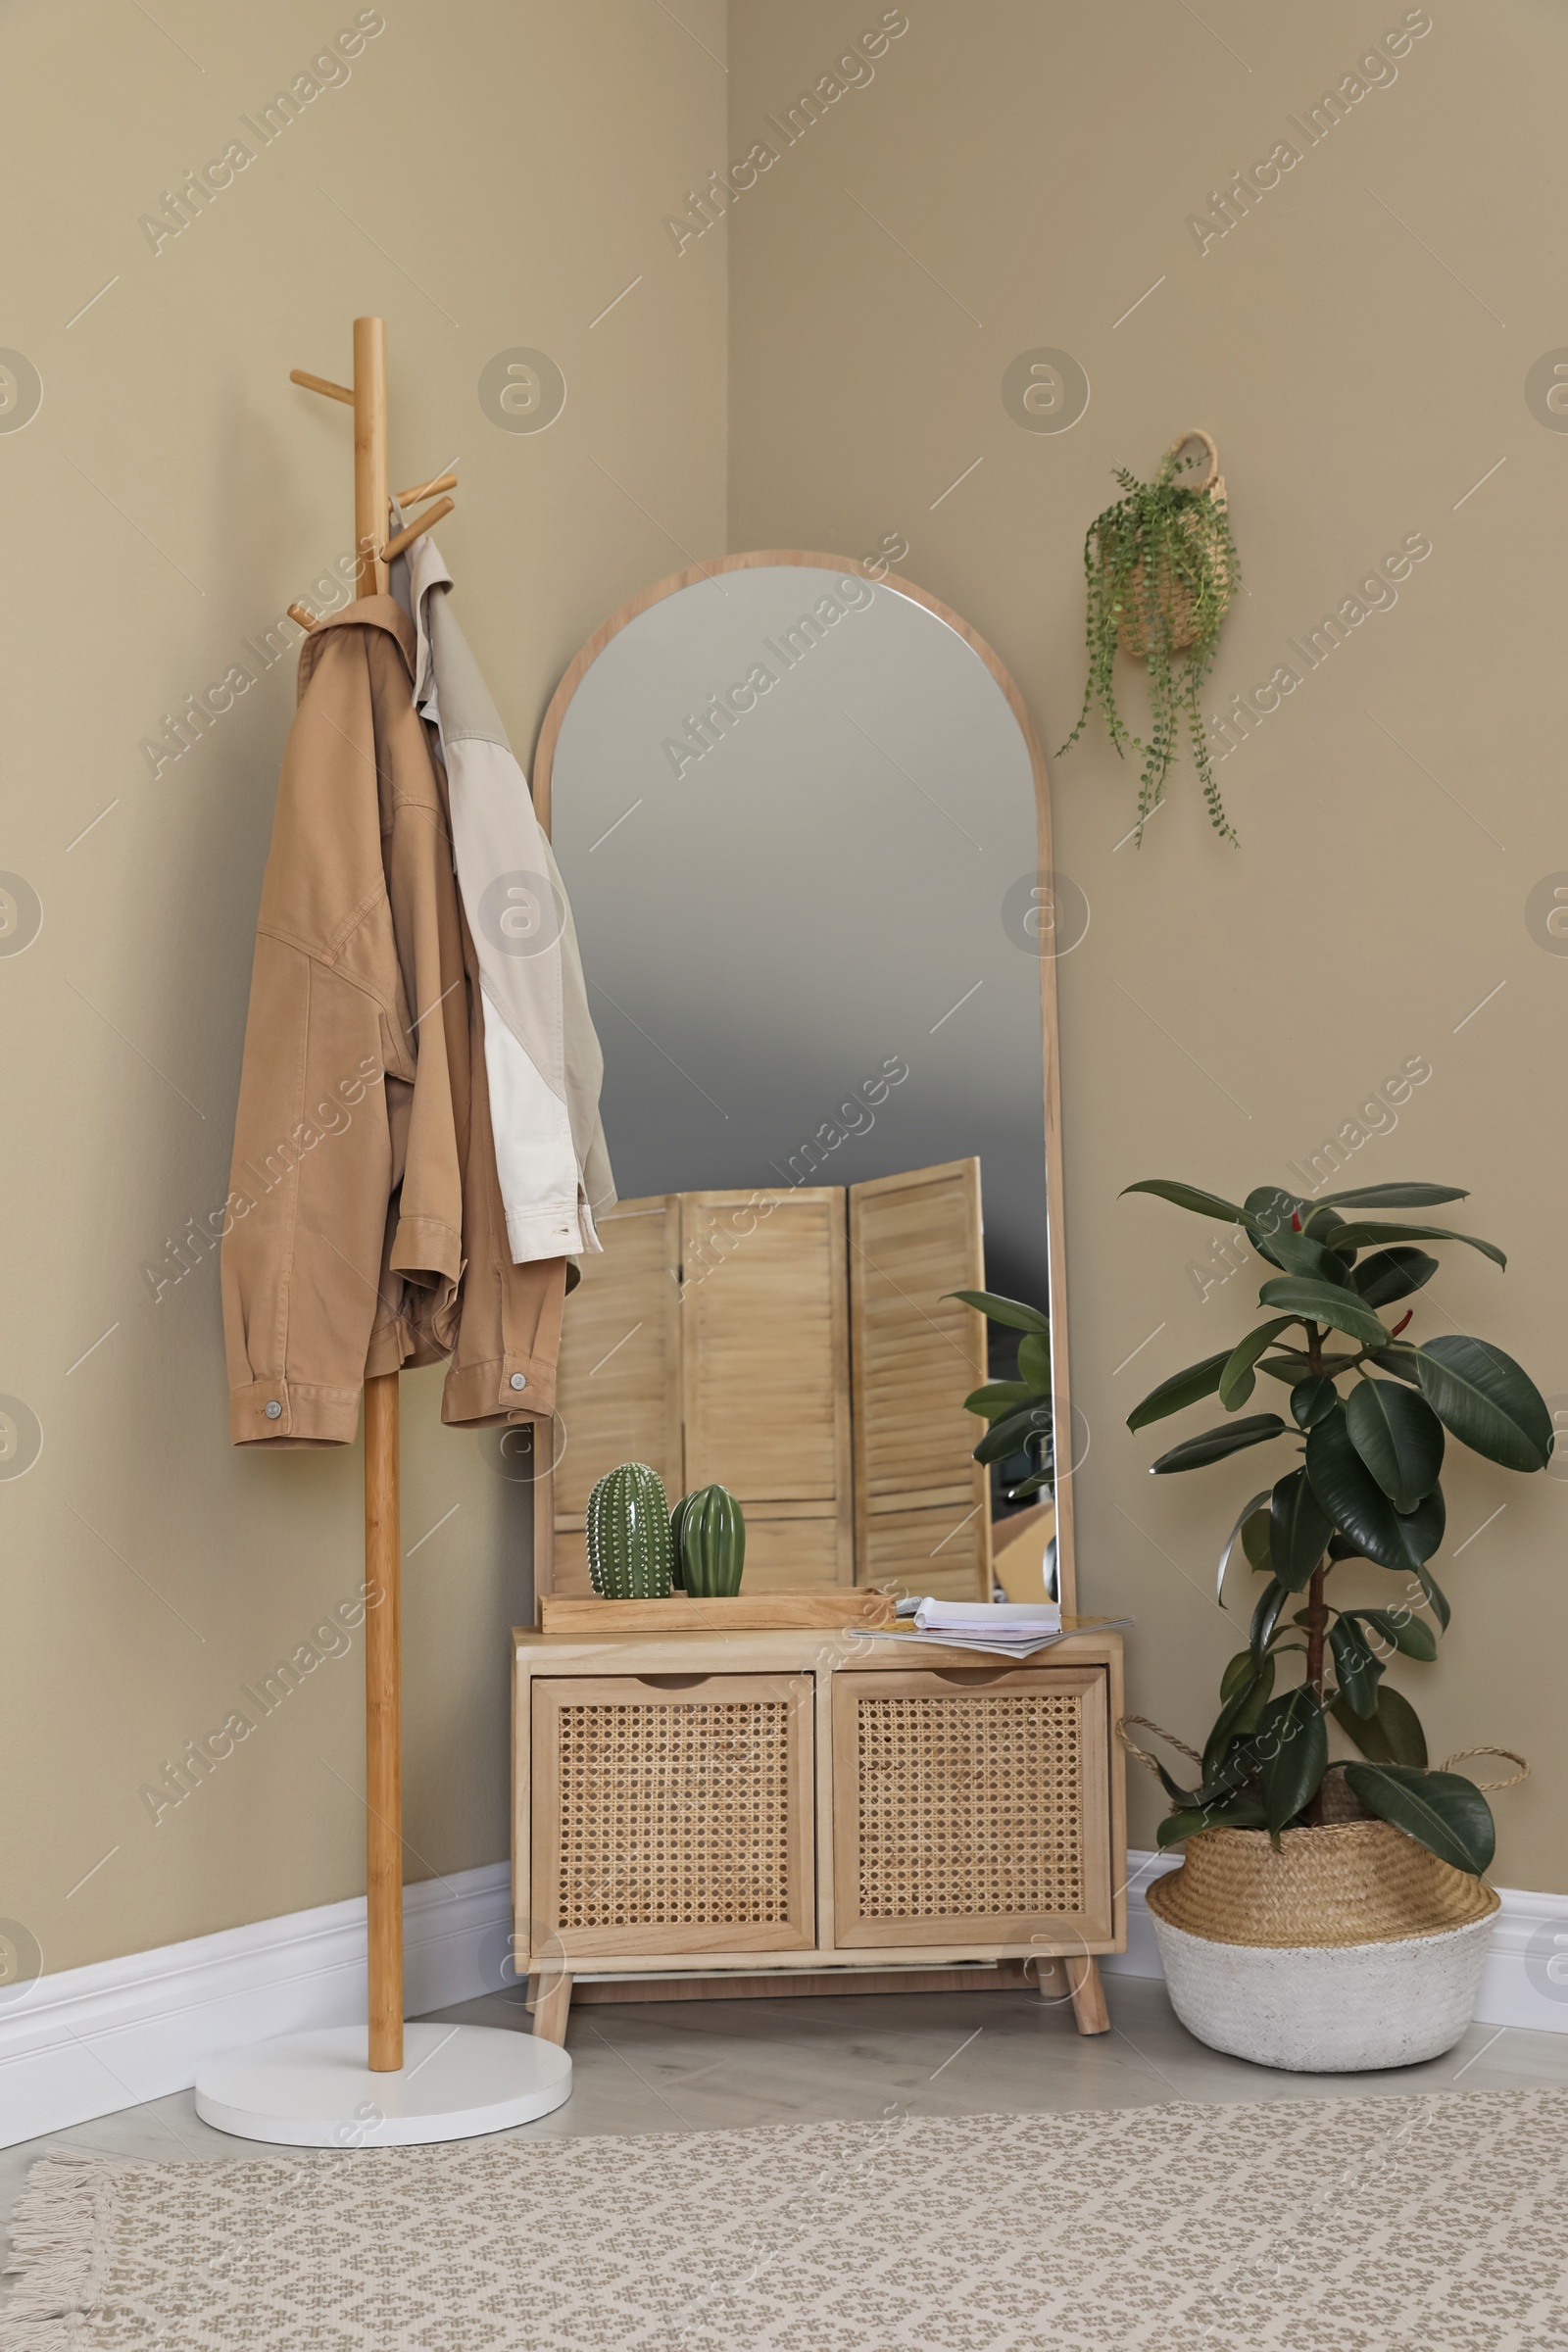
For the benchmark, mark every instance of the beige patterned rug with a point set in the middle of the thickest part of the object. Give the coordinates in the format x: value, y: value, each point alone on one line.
x: 1349, y: 2225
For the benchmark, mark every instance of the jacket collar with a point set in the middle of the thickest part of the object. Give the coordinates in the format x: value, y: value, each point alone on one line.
x: 368, y: 613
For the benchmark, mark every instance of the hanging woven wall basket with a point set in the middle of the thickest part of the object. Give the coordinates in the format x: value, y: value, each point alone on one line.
x: 1173, y: 598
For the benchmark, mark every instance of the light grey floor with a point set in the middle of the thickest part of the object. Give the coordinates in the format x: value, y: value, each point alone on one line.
x: 705, y: 2066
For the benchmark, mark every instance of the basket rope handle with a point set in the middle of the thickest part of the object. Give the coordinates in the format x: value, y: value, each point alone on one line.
x: 1158, y: 1729
x: 1462, y: 1755
x: 1196, y: 433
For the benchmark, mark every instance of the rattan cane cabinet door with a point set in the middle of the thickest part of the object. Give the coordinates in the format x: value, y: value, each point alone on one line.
x: 675, y: 1814
x: 971, y: 1807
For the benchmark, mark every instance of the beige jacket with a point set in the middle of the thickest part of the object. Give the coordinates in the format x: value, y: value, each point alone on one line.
x: 542, y: 1056
x: 365, y: 1228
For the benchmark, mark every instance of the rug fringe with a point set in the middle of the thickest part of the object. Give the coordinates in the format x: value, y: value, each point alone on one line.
x: 58, y: 2242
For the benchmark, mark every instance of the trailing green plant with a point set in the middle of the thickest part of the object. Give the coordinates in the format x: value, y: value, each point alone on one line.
x: 1161, y: 570
x: 709, y: 1530
x: 1018, y: 1413
x: 1366, y: 1488
x: 628, y: 1535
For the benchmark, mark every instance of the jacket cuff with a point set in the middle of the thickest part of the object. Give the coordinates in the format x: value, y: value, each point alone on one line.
x: 426, y: 1246
x: 503, y: 1389
x: 276, y: 1411
x: 547, y: 1232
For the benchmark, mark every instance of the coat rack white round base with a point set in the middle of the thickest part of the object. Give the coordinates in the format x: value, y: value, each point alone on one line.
x: 315, y: 2089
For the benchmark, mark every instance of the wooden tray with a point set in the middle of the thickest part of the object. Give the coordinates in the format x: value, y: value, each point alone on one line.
x: 739, y: 1613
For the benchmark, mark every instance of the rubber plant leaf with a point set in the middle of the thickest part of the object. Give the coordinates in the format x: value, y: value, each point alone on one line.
x: 1299, y: 1531
x: 1437, y: 1599
x: 1490, y: 1402
x: 1254, y: 1538
x: 1243, y: 1517
x: 1267, y: 1616
x: 1201, y: 1204
x: 1442, y: 1810
x: 1311, y: 1399
x: 1402, y: 1358
x: 1237, y: 1380
x: 1323, y: 1302
x: 1390, y: 1734
x: 1374, y: 1237
x: 1010, y: 1311
x: 1011, y: 1434
x: 1394, y: 1195
x: 1301, y: 1253
x: 1358, y: 1507
x: 1181, y: 1388
x: 1295, y: 1751
x: 1398, y: 1437
x: 1242, y: 1813
x: 1213, y: 1445
x: 1402, y: 1632
x: 1389, y: 1275
x: 1239, y: 1716
x: 1356, y: 1664
x: 1293, y: 1363
x: 997, y: 1397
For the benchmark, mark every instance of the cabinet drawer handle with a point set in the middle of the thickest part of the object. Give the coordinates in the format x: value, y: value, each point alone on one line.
x: 672, y: 1682
x: 972, y: 1676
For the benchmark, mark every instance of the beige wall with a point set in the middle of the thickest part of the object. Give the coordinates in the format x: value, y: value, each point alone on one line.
x: 508, y: 169
x: 1025, y: 174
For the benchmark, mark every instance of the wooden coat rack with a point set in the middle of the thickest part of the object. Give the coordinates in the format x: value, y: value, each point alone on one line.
x: 313, y: 2089
x: 383, y: 1723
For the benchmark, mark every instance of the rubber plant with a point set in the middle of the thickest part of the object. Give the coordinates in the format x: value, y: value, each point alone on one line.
x: 1161, y: 568
x: 1018, y: 1413
x: 1369, y: 1413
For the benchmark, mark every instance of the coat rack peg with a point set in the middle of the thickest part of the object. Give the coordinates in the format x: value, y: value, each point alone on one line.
x: 319, y: 383
x: 303, y: 615
x: 422, y: 490
x: 415, y: 530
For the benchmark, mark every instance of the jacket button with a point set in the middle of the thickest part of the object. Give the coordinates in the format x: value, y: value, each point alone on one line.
x: 520, y: 1380
x: 273, y: 1410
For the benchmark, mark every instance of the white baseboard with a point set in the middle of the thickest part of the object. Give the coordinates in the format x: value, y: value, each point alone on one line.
x: 91, y: 2041
x: 1526, y: 1980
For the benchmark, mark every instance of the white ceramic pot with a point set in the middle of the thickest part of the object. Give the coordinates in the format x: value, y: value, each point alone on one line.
x: 1327, y: 2009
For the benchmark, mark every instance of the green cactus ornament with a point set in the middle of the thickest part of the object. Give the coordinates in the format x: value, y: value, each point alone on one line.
x: 628, y: 1535
x: 713, y: 1541
x: 677, y: 1568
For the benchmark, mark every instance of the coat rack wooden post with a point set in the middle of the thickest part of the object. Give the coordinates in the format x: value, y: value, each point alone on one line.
x: 383, y: 1717
x: 313, y: 2089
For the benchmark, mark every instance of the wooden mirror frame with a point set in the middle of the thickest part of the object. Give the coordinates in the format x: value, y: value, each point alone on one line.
x: 1056, y: 1241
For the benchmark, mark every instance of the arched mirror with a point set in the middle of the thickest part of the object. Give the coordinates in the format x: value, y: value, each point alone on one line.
x: 803, y: 816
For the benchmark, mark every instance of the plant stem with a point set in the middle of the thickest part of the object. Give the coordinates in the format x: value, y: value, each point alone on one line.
x: 1317, y: 1620
x: 1317, y: 1615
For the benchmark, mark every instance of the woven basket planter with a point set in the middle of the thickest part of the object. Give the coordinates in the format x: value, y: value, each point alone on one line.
x: 1350, y: 1947
x: 1179, y: 601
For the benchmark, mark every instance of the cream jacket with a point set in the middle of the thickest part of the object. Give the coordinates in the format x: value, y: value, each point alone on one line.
x: 542, y: 1056
x: 363, y: 1227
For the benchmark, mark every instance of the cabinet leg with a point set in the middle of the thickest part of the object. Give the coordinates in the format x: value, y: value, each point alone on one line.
x: 1088, y: 1995
x: 551, y: 2004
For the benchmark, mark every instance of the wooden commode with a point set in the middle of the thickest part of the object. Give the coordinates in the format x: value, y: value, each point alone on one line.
x: 713, y: 1809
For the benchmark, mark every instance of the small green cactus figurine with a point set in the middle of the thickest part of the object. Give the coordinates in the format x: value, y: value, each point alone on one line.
x: 628, y: 1535
x: 677, y: 1570
x: 713, y: 1541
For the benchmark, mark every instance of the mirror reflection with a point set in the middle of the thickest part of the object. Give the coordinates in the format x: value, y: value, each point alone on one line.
x: 797, y: 817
